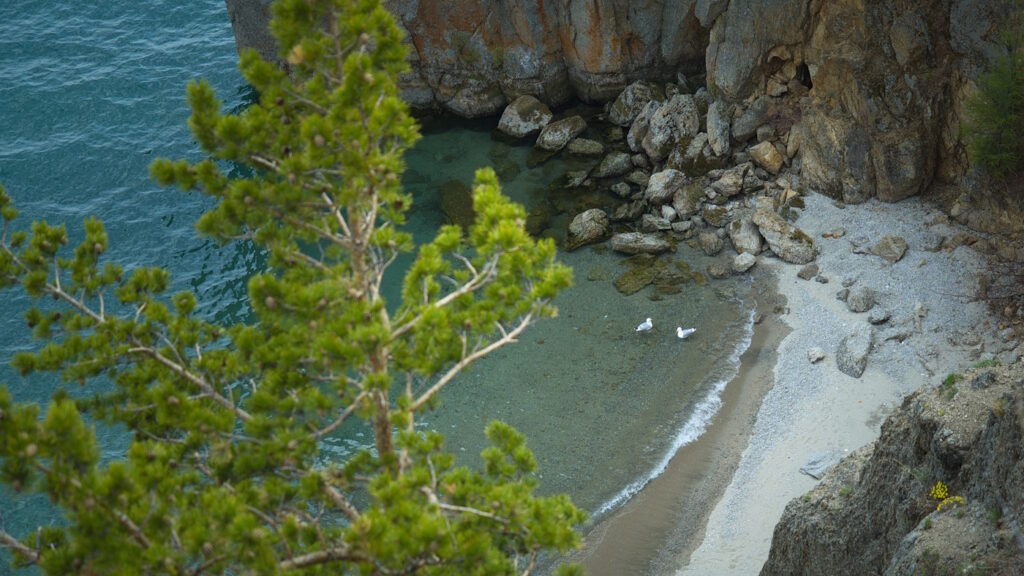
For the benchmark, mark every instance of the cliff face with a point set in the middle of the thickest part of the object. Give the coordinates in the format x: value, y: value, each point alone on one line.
x: 887, y: 78
x: 873, y: 513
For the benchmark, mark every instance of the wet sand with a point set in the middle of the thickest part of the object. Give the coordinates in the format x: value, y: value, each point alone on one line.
x: 656, y: 530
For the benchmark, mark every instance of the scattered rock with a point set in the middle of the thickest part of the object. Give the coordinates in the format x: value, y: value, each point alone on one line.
x: 668, y: 212
x: 717, y: 216
x: 717, y: 270
x: 849, y: 281
x: 785, y: 240
x: 663, y: 186
x: 819, y: 463
x: 718, y: 126
x: 843, y: 294
x: 676, y: 120
x: 834, y: 233
x: 614, y: 164
x: 588, y: 227
x: 743, y: 261
x: 744, y: 236
x: 808, y: 271
x: 879, y: 316
x: 731, y: 181
x: 932, y: 242
x: 983, y: 380
x: 631, y: 102
x: 891, y: 248
x: 682, y: 226
x: 557, y: 134
x: 860, y: 299
x: 652, y: 223
x: 639, y: 243
x: 638, y: 177
x: 767, y: 156
x: 622, y: 190
x: 585, y: 147
x: 687, y: 200
x: 710, y: 243
x: 821, y: 279
x: 852, y: 355
x: 628, y: 212
x: 525, y: 116
x: 744, y: 127
x: 815, y: 355
x: 635, y: 279
x: 642, y: 123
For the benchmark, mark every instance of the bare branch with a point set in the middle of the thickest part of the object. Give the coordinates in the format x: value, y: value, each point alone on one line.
x: 320, y: 557
x: 8, y: 541
x: 473, y: 511
x: 508, y: 338
x: 341, y: 418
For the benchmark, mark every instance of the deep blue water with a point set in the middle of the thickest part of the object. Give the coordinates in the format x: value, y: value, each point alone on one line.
x: 92, y: 92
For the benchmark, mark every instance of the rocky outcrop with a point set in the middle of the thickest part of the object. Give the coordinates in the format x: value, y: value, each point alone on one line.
x: 876, y: 511
x: 473, y: 56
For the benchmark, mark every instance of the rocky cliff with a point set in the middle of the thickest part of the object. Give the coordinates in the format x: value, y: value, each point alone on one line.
x: 881, y: 509
x: 886, y: 78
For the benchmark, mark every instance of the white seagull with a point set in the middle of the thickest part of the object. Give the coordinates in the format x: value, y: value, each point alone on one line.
x: 682, y: 334
x: 645, y: 326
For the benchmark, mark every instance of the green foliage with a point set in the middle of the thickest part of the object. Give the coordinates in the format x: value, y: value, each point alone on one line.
x: 995, y: 124
x: 948, y: 385
x: 986, y: 363
x: 224, y: 473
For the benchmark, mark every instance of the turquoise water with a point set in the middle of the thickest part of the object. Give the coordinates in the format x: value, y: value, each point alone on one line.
x: 92, y: 92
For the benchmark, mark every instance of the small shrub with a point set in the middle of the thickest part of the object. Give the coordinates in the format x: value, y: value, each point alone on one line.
x: 949, y: 385
x: 995, y: 515
x: 927, y: 524
x: 986, y: 363
x: 846, y: 491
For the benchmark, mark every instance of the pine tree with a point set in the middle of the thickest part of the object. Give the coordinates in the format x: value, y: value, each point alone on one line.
x: 224, y: 473
x: 995, y: 125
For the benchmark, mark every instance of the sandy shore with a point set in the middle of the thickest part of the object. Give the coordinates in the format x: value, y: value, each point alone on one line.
x: 664, y: 522
x: 815, y: 410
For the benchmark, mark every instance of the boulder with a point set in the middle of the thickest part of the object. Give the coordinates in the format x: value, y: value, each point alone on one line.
x: 717, y: 270
x: 717, y: 216
x: 687, y: 200
x: 745, y: 126
x: 557, y: 134
x: 891, y: 248
x: 744, y: 235
x: 860, y: 299
x: 785, y: 240
x: 588, y: 227
x: 808, y: 271
x: 710, y: 243
x: 638, y: 177
x: 731, y: 181
x: 525, y: 116
x: 718, y: 126
x: 622, y: 190
x: 852, y: 354
x: 652, y: 223
x: 585, y: 147
x: 628, y: 212
x: 743, y: 261
x: 614, y: 164
x: 663, y: 186
x: 638, y: 130
x: 677, y: 120
x: 767, y: 156
x: 639, y: 243
x: 631, y: 101
x: 815, y: 355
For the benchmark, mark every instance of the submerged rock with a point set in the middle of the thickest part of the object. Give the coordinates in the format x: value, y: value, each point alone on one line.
x: 584, y: 147
x: 639, y: 243
x: 588, y: 227
x: 557, y: 134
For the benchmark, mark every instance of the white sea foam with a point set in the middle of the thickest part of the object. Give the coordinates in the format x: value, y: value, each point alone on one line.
x: 703, y: 413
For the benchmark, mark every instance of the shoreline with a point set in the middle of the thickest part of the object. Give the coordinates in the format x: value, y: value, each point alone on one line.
x: 664, y: 521
x: 813, y: 410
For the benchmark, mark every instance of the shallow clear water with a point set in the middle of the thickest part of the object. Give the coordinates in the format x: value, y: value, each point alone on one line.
x: 92, y: 92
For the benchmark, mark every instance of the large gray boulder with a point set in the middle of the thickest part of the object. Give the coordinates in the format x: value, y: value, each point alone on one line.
x: 525, y: 116
x: 663, y: 186
x: 614, y: 164
x: 557, y: 134
x: 588, y: 227
x: 631, y: 101
x: 641, y: 124
x: 852, y: 355
x: 639, y: 243
x: 744, y: 236
x: 687, y: 200
x: 675, y: 121
x: 785, y: 240
x: 718, y: 125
